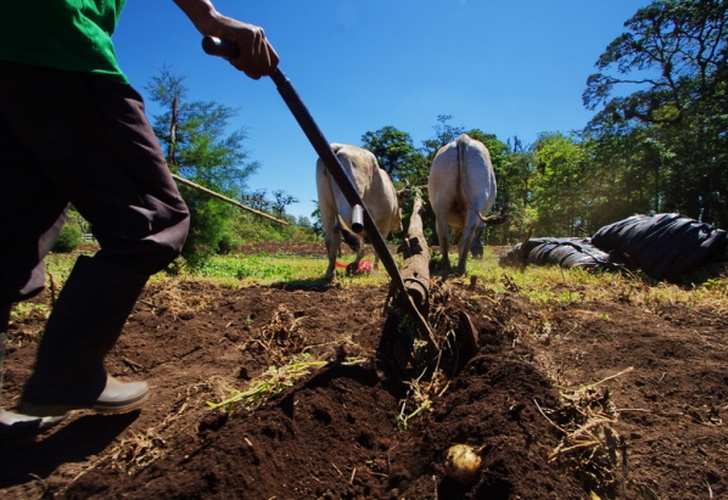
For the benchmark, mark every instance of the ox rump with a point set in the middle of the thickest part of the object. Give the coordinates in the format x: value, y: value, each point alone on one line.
x: 341, y: 220
x: 462, y: 187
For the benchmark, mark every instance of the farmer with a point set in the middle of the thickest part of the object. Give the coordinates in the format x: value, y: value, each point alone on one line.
x: 72, y: 129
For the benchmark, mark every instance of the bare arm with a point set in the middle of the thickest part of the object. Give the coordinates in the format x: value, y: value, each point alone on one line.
x: 256, y: 58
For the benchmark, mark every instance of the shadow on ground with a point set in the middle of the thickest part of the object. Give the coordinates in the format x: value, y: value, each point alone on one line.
x: 23, y: 461
x: 309, y: 285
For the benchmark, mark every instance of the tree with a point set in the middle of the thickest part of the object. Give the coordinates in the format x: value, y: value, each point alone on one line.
x: 558, y: 184
x: 394, y: 150
x: 675, y: 56
x: 304, y: 222
x: 444, y: 134
x: 317, y: 227
x: 281, y: 200
x: 195, y: 136
x: 257, y: 199
x: 676, y: 51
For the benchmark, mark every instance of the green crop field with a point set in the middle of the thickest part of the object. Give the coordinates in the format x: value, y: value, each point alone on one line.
x: 540, y: 284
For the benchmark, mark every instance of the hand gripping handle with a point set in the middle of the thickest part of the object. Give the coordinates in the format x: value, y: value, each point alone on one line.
x: 221, y: 48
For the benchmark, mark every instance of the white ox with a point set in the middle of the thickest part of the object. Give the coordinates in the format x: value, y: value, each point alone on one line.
x: 461, y: 186
x: 376, y: 190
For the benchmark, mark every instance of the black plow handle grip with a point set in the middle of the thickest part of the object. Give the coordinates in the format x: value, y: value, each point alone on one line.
x: 221, y: 48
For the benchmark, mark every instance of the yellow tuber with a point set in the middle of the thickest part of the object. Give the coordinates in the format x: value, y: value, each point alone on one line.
x: 462, y: 463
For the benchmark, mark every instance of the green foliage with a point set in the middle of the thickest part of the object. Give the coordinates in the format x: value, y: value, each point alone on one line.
x: 281, y: 200
x: 661, y: 147
x: 209, y: 225
x: 395, y: 152
x: 444, y: 134
x: 316, y: 225
x: 558, y: 193
x: 550, y: 285
x: 674, y: 124
x: 22, y: 311
x: 245, y: 228
x: 258, y: 267
x: 198, y: 145
x: 69, y: 238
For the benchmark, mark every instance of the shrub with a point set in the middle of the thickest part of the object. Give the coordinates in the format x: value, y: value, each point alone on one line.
x: 208, y: 224
x: 69, y: 238
x: 225, y: 245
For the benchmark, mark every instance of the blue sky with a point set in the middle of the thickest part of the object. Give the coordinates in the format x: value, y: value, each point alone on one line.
x: 507, y: 67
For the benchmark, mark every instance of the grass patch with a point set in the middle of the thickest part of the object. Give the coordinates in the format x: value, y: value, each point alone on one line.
x: 555, y: 285
x: 24, y: 310
x: 265, y: 269
x: 544, y: 285
x: 272, y: 382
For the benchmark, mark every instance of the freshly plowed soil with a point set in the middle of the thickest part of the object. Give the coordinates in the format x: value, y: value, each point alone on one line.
x: 336, y: 432
x: 675, y: 401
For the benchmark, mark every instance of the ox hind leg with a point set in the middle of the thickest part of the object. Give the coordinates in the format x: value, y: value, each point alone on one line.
x: 375, y: 266
x: 466, y: 239
x: 333, y: 247
x: 353, y: 268
x: 355, y: 242
x: 442, y: 238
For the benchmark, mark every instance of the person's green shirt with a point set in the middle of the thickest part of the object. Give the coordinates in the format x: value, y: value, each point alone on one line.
x: 71, y: 35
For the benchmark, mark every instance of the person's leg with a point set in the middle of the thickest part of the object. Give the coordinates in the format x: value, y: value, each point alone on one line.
x: 4, y: 324
x: 33, y: 217
x: 108, y: 163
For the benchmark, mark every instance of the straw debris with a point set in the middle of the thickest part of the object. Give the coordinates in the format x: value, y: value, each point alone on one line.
x: 589, y: 444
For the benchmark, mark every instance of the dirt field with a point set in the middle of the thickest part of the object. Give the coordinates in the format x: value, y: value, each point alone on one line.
x: 549, y: 400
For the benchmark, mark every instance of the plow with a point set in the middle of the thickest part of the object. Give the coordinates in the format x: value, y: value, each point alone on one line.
x: 409, y: 297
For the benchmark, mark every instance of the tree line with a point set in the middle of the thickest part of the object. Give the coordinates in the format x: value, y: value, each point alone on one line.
x: 658, y: 140
x: 199, y: 146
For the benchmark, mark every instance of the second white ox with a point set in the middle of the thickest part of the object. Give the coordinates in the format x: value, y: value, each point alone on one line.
x: 461, y: 187
x: 376, y: 190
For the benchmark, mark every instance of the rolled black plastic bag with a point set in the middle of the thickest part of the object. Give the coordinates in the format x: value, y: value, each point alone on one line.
x: 564, y: 252
x: 665, y: 246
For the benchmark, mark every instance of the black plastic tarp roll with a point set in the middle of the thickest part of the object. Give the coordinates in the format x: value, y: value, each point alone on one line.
x: 564, y: 252
x: 664, y: 246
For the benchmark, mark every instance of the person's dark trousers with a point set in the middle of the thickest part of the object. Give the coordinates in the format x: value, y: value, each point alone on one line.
x: 4, y: 324
x: 82, y: 139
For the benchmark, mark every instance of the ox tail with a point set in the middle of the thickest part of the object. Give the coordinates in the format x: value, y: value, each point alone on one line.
x: 462, y: 171
x: 494, y: 219
x: 353, y: 240
x: 461, y: 144
x: 349, y: 236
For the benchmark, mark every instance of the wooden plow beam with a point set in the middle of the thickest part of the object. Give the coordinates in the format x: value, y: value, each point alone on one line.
x: 223, y: 48
x: 416, y: 268
x: 222, y: 197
